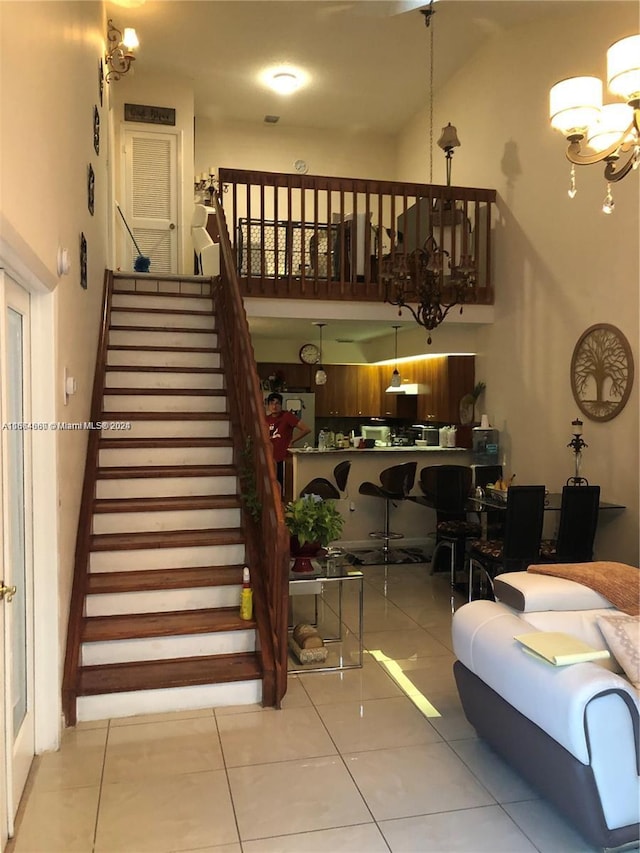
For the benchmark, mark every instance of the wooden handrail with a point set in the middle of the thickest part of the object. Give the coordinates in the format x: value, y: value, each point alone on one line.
x: 81, y: 561
x: 267, y: 539
x: 316, y: 237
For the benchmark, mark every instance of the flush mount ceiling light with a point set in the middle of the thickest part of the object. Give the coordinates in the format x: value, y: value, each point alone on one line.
x: 597, y: 133
x: 120, y: 55
x: 284, y: 80
x: 321, y: 376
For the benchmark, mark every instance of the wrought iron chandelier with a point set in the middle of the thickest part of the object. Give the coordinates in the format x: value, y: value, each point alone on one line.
x: 607, y: 134
x: 428, y: 276
x: 419, y: 277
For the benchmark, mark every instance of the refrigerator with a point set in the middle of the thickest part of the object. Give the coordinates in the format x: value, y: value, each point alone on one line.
x: 303, y: 406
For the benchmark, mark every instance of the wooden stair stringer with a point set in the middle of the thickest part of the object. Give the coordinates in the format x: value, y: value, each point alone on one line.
x: 106, y: 584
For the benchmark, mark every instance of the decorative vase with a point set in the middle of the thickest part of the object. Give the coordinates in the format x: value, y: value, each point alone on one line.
x: 302, y: 555
x: 467, y: 409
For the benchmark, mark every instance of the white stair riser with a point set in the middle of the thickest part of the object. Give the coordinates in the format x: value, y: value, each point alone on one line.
x: 166, y: 558
x: 114, y: 705
x: 156, y: 379
x: 162, y: 403
x: 145, y: 522
x: 121, y: 317
x: 171, y: 429
x: 118, y: 457
x: 172, y: 303
x: 162, y: 339
x: 155, y: 286
x: 163, y: 600
x: 132, y: 357
x: 162, y: 487
x: 166, y: 648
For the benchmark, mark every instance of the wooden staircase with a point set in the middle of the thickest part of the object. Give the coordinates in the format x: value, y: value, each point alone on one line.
x: 157, y: 623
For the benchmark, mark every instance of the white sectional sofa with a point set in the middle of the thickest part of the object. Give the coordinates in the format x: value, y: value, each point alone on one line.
x: 573, y: 731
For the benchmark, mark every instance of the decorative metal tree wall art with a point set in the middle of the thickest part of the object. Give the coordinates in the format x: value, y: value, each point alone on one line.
x: 602, y: 372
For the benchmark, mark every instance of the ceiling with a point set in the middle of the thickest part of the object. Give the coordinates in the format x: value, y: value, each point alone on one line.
x: 367, y: 62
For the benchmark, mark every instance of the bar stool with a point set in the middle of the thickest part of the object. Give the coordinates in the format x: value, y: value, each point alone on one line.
x: 325, y: 488
x: 395, y: 484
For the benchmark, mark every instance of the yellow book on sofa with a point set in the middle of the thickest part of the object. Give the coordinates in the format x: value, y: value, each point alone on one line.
x: 558, y: 648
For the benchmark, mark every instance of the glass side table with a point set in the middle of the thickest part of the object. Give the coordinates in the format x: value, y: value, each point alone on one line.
x: 332, y: 572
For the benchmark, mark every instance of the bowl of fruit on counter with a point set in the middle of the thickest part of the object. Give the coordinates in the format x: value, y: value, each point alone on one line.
x: 499, y: 490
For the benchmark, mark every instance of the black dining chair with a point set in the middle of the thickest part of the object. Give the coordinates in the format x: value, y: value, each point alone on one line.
x: 395, y: 484
x: 520, y: 547
x: 325, y: 488
x: 576, y: 528
x: 446, y: 488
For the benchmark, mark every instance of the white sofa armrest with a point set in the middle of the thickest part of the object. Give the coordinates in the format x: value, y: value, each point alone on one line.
x: 554, y: 698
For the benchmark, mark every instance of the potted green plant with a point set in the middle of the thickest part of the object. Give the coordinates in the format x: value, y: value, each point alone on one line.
x: 313, y: 523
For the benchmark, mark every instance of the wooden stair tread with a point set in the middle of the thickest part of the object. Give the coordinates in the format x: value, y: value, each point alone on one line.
x: 133, y: 292
x: 128, y: 626
x: 100, y: 583
x: 165, y: 416
x: 108, y: 443
x: 122, y: 328
x: 145, y: 368
x: 166, y: 504
x: 145, y: 471
x: 165, y: 392
x: 176, y: 312
x: 147, y: 348
x: 156, y: 675
x: 166, y: 539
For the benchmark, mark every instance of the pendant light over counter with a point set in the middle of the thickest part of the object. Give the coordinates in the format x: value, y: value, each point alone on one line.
x: 396, y: 379
x: 321, y: 376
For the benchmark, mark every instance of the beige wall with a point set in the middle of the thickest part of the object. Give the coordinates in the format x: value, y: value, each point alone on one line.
x: 275, y: 148
x: 560, y: 265
x: 49, y: 54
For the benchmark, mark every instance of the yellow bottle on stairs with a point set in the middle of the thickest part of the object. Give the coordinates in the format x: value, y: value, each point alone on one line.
x: 246, y: 596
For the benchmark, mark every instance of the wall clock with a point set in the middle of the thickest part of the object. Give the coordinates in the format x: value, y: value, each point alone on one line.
x: 301, y: 167
x: 602, y: 372
x: 309, y: 354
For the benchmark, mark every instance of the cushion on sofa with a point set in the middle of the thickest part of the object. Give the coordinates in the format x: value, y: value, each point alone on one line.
x: 528, y: 592
x: 622, y: 634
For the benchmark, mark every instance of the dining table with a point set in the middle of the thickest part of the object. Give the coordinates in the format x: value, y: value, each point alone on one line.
x: 484, y: 503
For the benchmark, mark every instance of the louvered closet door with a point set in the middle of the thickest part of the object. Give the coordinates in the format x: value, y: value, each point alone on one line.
x: 151, y: 199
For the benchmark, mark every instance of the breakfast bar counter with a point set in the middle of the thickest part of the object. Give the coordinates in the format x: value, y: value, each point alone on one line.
x: 362, y: 513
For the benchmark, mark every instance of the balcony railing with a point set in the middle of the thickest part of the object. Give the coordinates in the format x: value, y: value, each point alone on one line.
x: 307, y: 236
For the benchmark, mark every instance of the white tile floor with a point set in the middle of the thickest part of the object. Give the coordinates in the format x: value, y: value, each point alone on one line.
x: 349, y: 764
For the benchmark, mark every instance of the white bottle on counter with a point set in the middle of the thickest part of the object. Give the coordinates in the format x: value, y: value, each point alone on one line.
x: 451, y: 436
x: 322, y: 440
x: 443, y: 436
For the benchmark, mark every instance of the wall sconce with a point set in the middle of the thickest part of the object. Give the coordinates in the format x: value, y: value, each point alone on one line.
x: 120, y: 54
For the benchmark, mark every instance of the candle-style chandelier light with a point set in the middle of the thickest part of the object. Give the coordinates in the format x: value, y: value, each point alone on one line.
x: 429, y: 281
x: 600, y: 133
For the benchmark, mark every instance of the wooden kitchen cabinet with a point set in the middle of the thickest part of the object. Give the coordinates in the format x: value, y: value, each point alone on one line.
x: 446, y: 379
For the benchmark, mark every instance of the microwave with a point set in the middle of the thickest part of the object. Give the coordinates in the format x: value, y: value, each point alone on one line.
x: 380, y: 434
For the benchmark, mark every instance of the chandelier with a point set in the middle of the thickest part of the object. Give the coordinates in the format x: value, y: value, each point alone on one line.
x: 429, y: 276
x: 419, y: 277
x: 600, y: 133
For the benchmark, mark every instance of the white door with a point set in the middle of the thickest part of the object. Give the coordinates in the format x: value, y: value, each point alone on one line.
x: 16, y: 606
x: 151, y: 206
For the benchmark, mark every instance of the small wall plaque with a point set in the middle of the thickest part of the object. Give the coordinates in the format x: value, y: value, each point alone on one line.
x: 149, y: 115
x: 83, y: 261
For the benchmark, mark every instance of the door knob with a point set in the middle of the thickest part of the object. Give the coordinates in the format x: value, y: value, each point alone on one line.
x: 7, y: 592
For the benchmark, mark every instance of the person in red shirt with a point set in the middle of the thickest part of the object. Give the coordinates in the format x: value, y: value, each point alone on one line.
x: 282, y: 426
